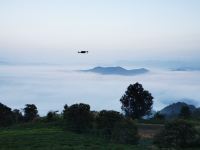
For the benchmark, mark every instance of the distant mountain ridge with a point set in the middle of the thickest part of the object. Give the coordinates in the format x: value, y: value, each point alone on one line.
x: 116, y: 71
x: 187, y: 69
x: 174, y: 109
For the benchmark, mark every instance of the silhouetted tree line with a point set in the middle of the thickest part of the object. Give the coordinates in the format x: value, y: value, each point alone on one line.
x: 9, y: 116
x: 178, y: 134
x: 115, y: 126
x: 80, y: 119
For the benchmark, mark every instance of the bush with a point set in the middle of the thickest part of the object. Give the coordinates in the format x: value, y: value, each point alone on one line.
x: 6, y: 116
x: 18, y: 116
x: 106, y: 121
x: 125, y: 132
x: 196, y: 114
x: 52, y: 116
x: 177, y: 134
x: 78, y: 117
x: 30, y: 112
x: 185, y: 112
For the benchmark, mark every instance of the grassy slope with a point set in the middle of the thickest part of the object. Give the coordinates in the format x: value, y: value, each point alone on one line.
x: 50, y: 137
x: 54, y: 138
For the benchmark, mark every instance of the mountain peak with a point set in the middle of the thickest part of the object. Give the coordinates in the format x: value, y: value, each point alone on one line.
x: 116, y: 71
x: 174, y: 109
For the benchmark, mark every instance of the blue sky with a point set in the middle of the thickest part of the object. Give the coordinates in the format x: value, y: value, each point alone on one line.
x: 49, y: 30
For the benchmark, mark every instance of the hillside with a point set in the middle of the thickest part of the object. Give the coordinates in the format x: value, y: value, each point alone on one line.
x: 116, y: 71
x: 48, y: 137
x: 186, y: 69
x: 174, y: 109
x: 43, y: 136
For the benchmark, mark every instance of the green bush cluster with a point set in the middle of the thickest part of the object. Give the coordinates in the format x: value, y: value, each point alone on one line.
x: 108, y: 124
x: 78, y: 117
x: 106, y: 120
x: 178, y: 134
x: 6, y: 116
x: 52, y: 116
x: 9, y: 116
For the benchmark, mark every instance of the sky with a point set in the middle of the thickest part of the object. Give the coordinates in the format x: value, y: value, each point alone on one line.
x: 127, y: 33
x: 112, y: 30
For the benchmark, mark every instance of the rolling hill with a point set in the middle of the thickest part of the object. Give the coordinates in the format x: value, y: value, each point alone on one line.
x: 174, y: 109
x: 116, y: 71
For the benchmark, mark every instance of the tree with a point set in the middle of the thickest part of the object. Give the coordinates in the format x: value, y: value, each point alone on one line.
x: 136, y: 102
x: 185, y: 112
x: 78, y: 117
x: 18, y: 115
x: 178, y: 134
x: 106, y: 121
x: 52, y: 116
x: 6, y: 115
x: 30, y: 112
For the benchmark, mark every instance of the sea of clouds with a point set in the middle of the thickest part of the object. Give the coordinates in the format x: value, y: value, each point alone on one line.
x: 50, y: 87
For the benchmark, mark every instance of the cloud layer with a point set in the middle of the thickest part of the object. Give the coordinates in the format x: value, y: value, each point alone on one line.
x: 50, y: 87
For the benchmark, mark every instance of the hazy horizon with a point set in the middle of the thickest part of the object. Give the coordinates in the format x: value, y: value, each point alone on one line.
x: 50, y: 87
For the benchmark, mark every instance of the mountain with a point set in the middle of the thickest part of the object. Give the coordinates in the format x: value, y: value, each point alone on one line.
x: 116, y: 71
x: 186, y: 69
x: 174, y: 109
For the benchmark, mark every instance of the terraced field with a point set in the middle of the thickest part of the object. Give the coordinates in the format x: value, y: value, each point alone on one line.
x: 54, y: 138
x: 48, y: 137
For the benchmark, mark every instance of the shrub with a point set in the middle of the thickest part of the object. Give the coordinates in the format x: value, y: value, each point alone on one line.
x: 106, y: 121
x: 125, y: 132
x: 185, y: 112
x: 6, y: 116
x: 78, y: 117
x: 18, y: 116
x: 52, y: 116
x: 177, y: 134
x: 30, y: 112
x: 196, y: 114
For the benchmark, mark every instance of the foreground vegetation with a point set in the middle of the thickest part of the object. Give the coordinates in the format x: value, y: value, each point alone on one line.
x: 51, y: 136
x: 77, y: 127
x: 48, y: 136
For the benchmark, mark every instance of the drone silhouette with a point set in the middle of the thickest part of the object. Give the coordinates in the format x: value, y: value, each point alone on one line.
x: 83, y: 52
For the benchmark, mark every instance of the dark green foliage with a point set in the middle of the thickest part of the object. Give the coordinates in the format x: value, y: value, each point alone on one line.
x: 106, y: 121
x: 178, y: 134
x: 125, y: 132
x: 136, y: 102
x: 6, y: 115
x: 36, y: 136
x: 78, y: 117
x: 196, y: 114
x: 185, y: 112
x: 52, y: 116
x: 159, y: 116
x: 65, y: 107
x: 30, y: 112
x: 18, y: 116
